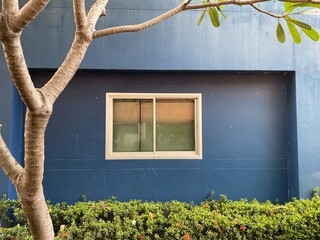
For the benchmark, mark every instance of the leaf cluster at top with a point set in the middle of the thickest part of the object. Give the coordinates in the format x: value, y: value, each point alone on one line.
x: 292, y: 9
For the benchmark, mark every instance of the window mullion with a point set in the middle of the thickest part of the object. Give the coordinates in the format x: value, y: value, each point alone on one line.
x: 154, y: 125
x: 195, y: 104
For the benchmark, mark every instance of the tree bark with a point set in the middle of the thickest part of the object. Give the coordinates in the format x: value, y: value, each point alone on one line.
x: 29, y: 187
x: 19, y: 72
x: 37, y: 213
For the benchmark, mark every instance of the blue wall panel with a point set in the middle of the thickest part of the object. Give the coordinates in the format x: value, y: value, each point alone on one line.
x: 65, y: 185
x: 308, y: 111
x: 246, y: 41
x: 251, y: 183
x: 292, y: 146
x: 79, y: 129
x: 155, y: 184
x: 5, y: 116
x: 244, y: 139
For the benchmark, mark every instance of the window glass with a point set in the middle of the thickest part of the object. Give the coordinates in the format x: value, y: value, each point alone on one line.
x: 132, y: 125
x: 175, y: 125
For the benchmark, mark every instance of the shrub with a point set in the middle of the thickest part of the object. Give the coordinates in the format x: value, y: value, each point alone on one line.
x: 212, y: 219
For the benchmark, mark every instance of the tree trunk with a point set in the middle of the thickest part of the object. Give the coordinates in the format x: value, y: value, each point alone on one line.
x: 37, y: 214
x: 29, y: 187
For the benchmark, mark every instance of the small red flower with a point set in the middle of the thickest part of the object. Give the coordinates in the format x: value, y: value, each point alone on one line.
x: 243, y: 228
x: 64, y: 234
x: 141, y: 237
x: 217, y: 212
x: 187, y: 237
x: 206, y: 206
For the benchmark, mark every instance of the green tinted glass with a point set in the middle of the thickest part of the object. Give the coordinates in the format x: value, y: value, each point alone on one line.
x: 132, y: 125
x: 175, y: 125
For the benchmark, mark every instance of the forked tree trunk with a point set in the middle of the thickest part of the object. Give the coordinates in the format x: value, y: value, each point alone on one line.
x: 39, y: 103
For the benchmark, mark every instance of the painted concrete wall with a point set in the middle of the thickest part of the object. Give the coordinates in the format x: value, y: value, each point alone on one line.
x: 5, y: 115
x: 246, y: 41
x: 245, y: 135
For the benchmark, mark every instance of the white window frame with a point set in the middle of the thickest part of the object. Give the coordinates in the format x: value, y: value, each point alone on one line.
x: 197, y: 154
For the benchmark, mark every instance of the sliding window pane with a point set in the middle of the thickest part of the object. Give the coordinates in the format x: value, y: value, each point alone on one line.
x: 175, y: 125
x: 132, y: 125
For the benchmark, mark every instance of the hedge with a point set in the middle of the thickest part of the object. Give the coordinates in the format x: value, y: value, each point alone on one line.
x: 212, y: 219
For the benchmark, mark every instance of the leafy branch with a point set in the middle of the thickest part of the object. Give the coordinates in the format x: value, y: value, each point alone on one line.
x: 291, y: 7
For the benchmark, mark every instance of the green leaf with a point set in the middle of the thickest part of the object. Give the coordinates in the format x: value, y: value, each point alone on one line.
x: 202, y: 16
x: 280, y: 33
x: 294, y: 33
x: 222, y: 13
x: 312, y: 34
x: 298, y: 23
x: 289, y: 6
x: 309, y: 12
x: 311, y: 5
x: 214, y: 17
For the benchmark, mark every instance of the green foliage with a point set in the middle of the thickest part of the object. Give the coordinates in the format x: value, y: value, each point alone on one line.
x: 213, y: 14
x: 15, y: 233
x: 294, y: 32
x: 292, y: 9
x: 298, y: 23
x: 212, y: 219
x: 6, y: 207
x: 203, y: 14
x: 312, y: 34
x: 214, y: 17
x: 280, y: 33
x: 291, y: 6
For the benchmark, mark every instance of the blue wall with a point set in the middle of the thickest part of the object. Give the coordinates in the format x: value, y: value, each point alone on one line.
x: 245, y: 139
x: 245, y: 42
x: 5, y: 115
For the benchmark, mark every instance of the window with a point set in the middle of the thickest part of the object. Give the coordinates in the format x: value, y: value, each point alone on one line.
x: 153, y: 126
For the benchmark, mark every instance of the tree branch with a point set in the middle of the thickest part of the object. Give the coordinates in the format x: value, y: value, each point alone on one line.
x: 266, y: 12
x: 182, y: 7
x: 96, y: 11
x: 54, y: 87
x: 301, y: 1
x: 224, y: 2
x: 8, y: 163
x: 79, y: 11
x: 10, y: 5
x: 141, y: 26
x: 27, y: 13
x: 19, y: 72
